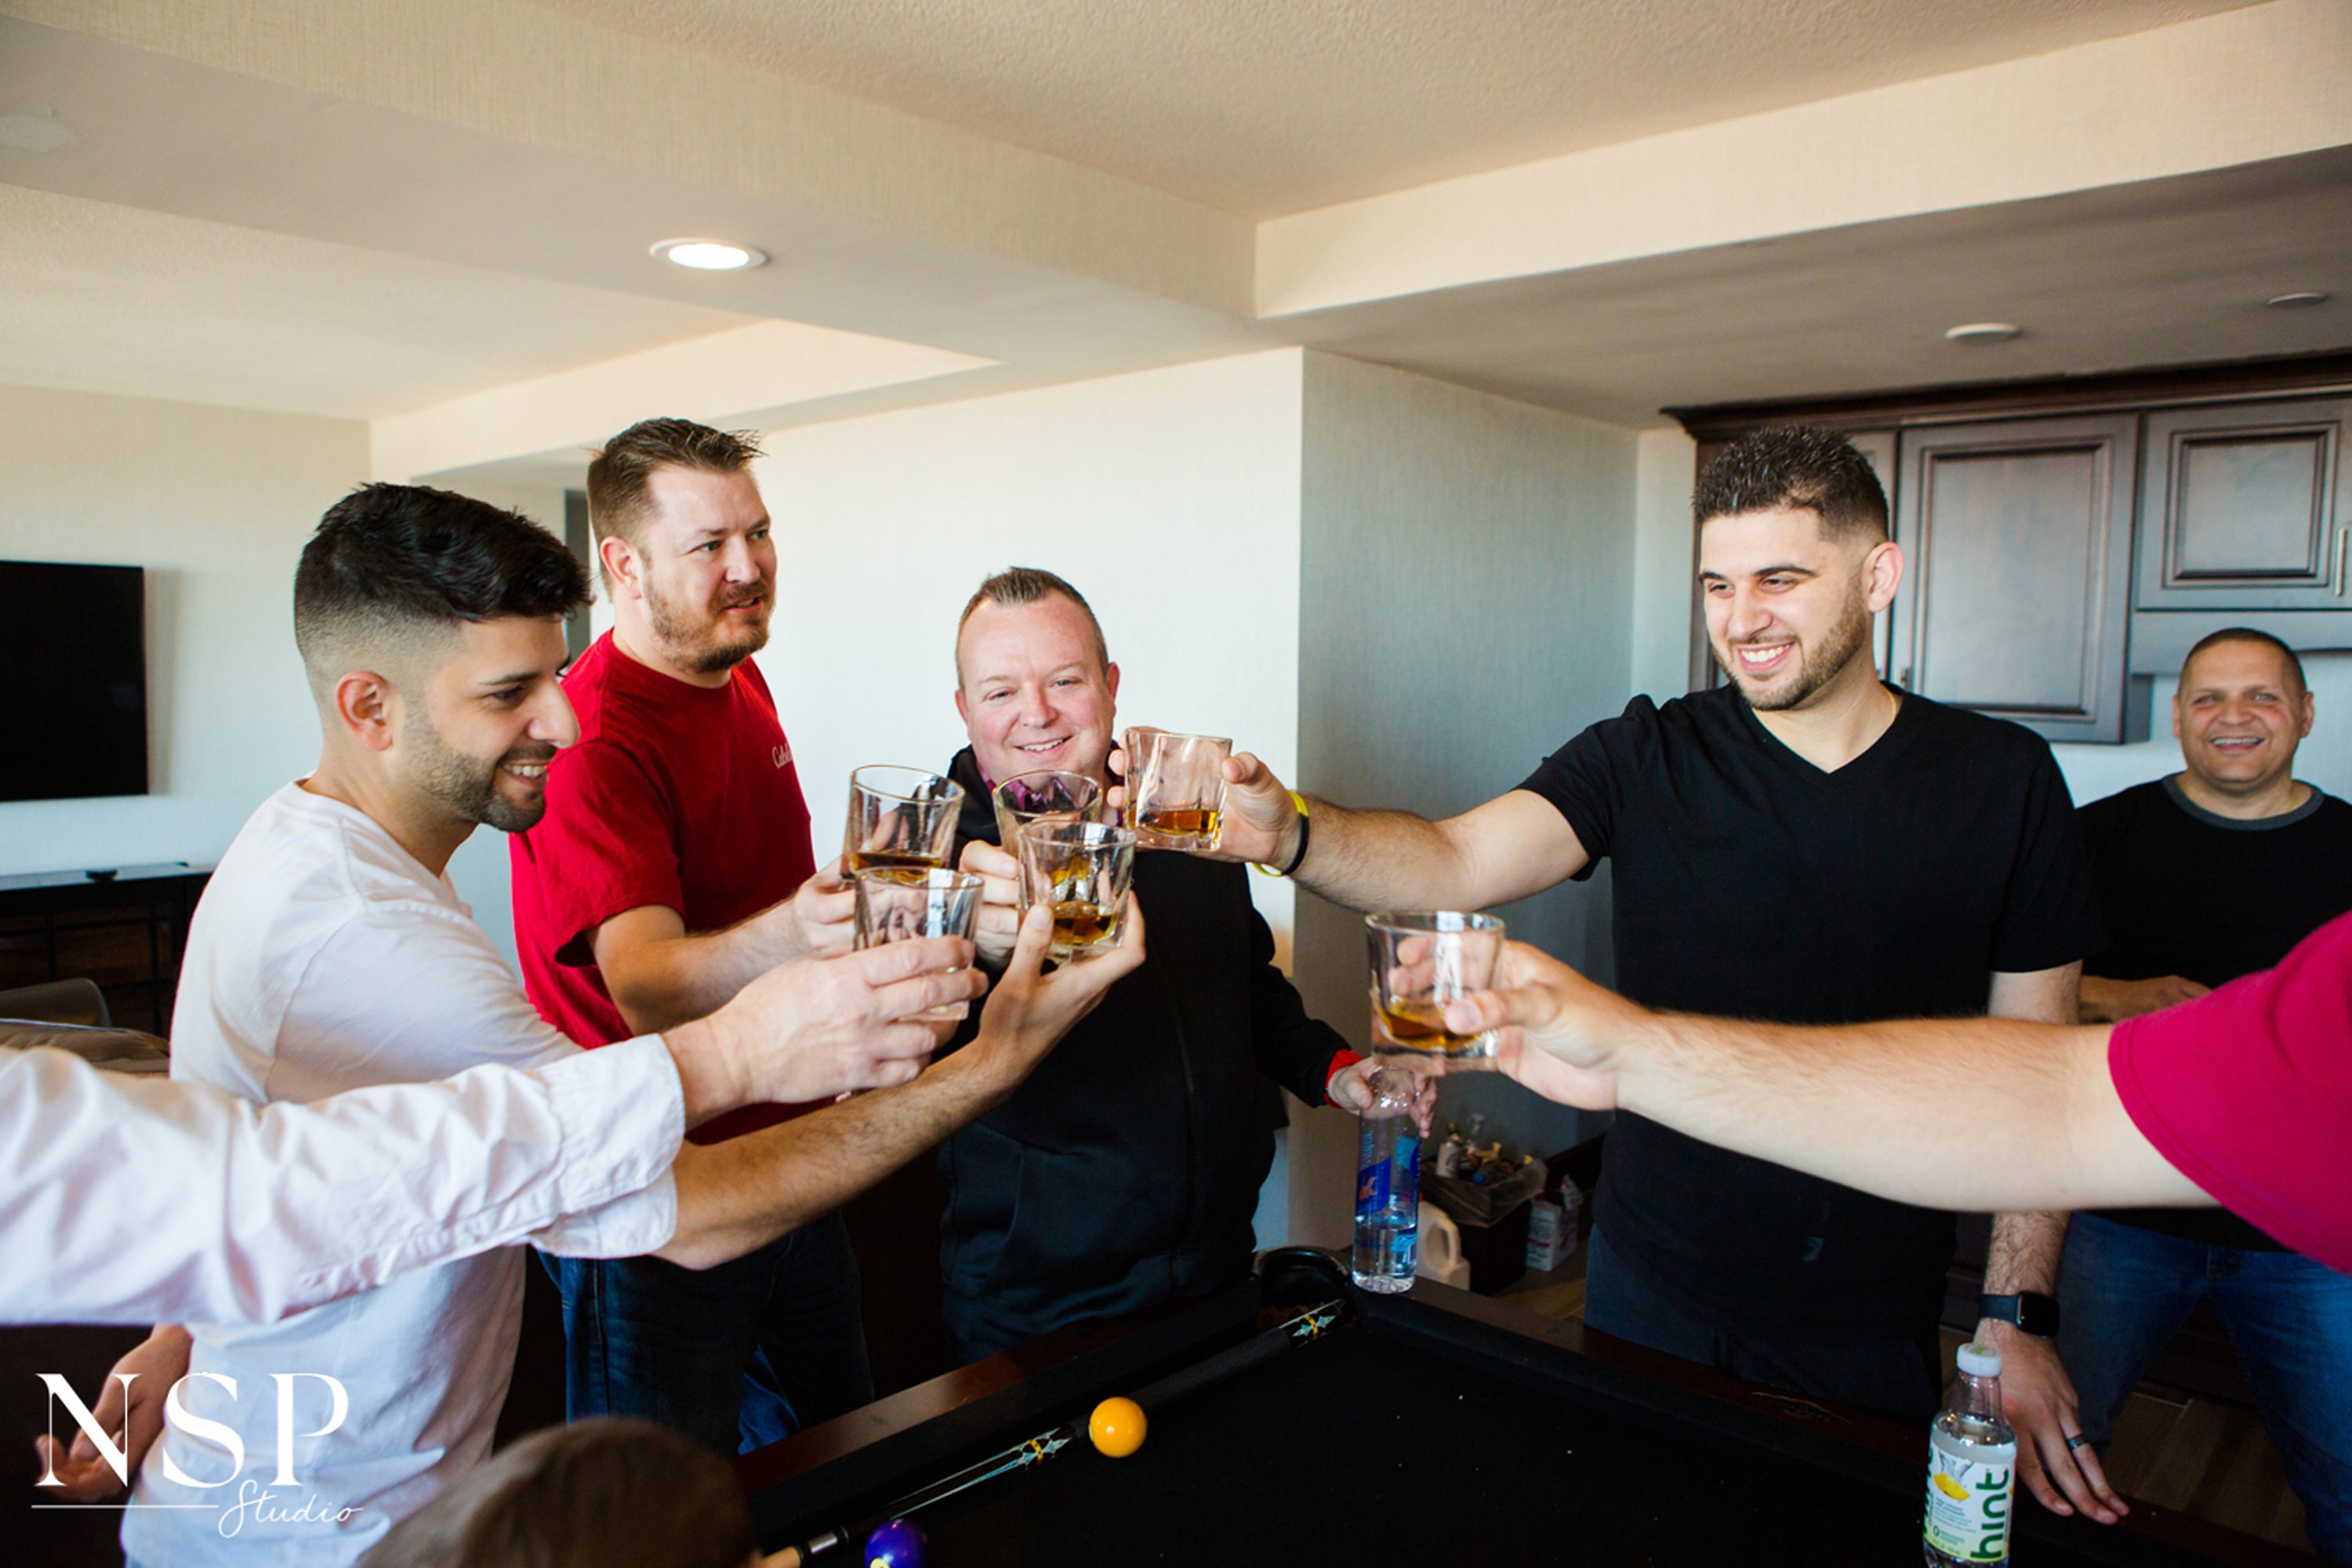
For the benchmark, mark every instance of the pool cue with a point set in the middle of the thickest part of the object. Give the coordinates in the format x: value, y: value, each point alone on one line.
x: 1301, y: 1329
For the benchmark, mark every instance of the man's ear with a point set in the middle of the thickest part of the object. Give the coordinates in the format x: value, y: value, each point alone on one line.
x: 1111, y: 679
x: 1882, y: 573
x: 367, y: 705
x: 621, y: 566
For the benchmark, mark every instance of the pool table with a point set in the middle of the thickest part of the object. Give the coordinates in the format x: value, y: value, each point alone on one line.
x: 1296, y: 1419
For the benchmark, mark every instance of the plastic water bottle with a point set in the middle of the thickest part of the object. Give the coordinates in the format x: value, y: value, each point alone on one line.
x: 1388, y: 1186
x: 1971, y: 1467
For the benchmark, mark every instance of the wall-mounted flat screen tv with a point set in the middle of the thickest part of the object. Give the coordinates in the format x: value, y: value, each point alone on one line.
x: 73, y: 681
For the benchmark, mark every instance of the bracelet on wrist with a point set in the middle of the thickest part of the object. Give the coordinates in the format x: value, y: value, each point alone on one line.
x: 1297, y: 856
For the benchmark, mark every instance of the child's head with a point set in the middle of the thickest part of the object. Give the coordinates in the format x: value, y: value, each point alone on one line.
x: 605, y: 1491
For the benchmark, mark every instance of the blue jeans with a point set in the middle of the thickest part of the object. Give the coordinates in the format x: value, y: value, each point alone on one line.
x: 2124, y: 1291
x: 1898, y: 1377
x: 737, y: 1356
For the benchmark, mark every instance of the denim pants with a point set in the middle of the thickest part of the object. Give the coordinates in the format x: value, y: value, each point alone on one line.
x: 1897, y: 1377
x: 737, y: 1356
x: 2122, y: 1292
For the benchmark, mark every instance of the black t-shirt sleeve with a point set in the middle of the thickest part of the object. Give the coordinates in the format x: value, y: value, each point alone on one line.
x: 2050, y: 915
x: 1583, y: 779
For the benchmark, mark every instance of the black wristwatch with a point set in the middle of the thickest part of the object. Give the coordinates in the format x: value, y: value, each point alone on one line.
x: 2031, y: 1310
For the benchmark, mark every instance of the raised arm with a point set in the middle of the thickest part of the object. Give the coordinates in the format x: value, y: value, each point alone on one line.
x: 659, y: 975
x: 1981, y: 1115
x: 1515, y: 845
x: 99, y: 1175
x: 736, y: 1195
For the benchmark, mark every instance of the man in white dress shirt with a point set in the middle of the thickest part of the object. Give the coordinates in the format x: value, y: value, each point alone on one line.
x: 329, y: 952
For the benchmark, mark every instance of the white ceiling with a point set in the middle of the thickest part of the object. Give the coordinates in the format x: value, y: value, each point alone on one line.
x: 101, y: 298
x: 338, y: 220
x: 2160, y: 273
x: 1266, y: 107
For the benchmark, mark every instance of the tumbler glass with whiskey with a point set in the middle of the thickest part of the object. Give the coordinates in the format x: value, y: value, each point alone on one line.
x: 1082, y: 871
x: 901, y: 817
x: 1421, y: 961
x: 897, y: 903
x: 1175, y: 788
x: 1048, y: 796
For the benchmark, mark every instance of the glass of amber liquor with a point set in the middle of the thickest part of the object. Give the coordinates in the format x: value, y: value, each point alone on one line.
x: 901, y: 817
x: 1421, y: 961
x: 1048, y: 796
x: 1175, y: 788
x: 897, y: 903
x: 1082, y: 870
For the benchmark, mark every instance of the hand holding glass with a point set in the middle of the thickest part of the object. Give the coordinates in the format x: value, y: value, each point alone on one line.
x: 901, y: 816
x: 1421, y: 963
x: 896, y: 903
x: 1082, y: 870
x: 1175, y: 788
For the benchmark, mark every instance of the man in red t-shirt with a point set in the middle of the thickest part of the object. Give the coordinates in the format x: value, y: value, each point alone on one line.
x: 2242, y: 1097
x: 673, y: 866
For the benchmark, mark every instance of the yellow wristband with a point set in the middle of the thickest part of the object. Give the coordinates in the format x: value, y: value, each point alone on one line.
x: 1263, y: 870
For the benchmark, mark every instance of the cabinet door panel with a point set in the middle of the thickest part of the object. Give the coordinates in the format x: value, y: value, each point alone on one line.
x: 2016, y: 538
x: 2241, y: 505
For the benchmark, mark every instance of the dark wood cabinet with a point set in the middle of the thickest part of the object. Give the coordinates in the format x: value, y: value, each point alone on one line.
x: 2016, y: 537
x: 2243, y: 507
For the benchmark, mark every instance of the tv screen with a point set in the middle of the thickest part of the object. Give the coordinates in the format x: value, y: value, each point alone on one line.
x: 73, y: 681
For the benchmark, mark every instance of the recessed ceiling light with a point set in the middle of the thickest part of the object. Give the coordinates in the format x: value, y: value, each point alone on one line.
x: 1983, y: 331
x: 2292, y: 301
x: 709, y: 255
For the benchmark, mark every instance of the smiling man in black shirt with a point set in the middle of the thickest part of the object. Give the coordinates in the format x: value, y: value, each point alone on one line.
x: 2215, y: 872
x: 1806, y: 845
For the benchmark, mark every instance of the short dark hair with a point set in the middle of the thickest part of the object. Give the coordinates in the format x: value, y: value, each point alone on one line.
x: 1026, y: 585
x: 1793, y: 467
x: 2248, y: 634
x: 621, y: 473
x: 605, y: 1492
x: 392, y: 566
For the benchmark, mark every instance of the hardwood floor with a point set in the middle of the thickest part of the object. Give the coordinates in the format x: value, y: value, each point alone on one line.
x: 2202, y: 1457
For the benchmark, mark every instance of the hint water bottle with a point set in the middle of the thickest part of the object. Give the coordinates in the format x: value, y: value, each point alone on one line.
x: 1971, y: 1467
x: 1388, y: 1185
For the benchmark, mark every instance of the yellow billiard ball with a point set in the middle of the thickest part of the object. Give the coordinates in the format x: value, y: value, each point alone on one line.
x: 1117, y: 1427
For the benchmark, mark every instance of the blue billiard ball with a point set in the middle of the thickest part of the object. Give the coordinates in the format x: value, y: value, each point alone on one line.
x: 897, y: 1544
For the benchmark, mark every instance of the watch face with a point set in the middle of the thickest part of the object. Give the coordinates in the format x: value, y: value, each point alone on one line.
x: 2034, y: 1313
x: 2038, y: 1315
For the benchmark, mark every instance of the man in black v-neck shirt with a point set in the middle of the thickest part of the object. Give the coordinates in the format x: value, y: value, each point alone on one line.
x: 1806, y: 845
x: 2215, y: 872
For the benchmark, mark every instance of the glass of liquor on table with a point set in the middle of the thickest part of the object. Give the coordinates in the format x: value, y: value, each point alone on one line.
x: 897, y: 903
x: 1049, y: 795
x: 1175, y: 788
x: 901, y: 816
x: 1421, y: 961
x: 1082, y: 871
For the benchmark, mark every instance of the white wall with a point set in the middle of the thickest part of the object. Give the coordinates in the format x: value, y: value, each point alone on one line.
x: 215, y: 503
x: 1168, y: 498
x: 1665, y: 562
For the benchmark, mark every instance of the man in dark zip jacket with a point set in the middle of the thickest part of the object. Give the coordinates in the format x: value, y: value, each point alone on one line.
x: 1125, y: 1171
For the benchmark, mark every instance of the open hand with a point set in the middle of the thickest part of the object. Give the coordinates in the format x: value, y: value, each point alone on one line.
x: 2039, y: 1399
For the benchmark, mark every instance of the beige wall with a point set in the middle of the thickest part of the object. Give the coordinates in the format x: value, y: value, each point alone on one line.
x: 215, y: 504
x: 1467, y: 572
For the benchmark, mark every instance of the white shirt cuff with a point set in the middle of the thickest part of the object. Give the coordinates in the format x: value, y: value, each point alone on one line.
x: 623, y: 1115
